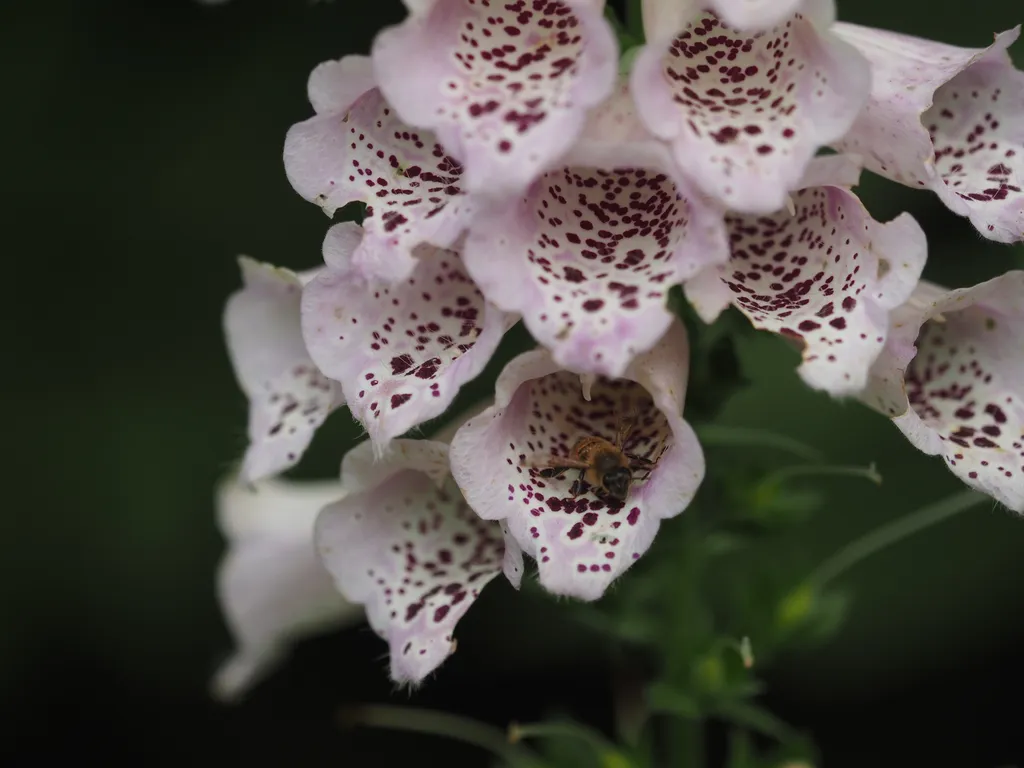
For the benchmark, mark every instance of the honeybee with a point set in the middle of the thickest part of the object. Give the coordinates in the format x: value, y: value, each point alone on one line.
x: 603, y: 464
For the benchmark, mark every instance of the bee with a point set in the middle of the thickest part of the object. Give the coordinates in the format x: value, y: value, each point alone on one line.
x: 603, y: 464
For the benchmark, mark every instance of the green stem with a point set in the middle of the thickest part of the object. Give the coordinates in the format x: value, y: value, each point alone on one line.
x: 601, y: 746
x: 786, y: 473
x: 440, y: 724
x: 741, y: 437
x: 890, y: 534
x: 686, y: 742
x: 635, y: 19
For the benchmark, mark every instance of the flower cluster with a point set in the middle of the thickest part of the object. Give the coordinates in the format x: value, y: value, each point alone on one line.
x: 511, y: 172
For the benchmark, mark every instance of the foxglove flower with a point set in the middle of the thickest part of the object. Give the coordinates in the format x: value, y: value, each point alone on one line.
x: 271, y: 586
x: 581, y: 539
x: 746, y: 112
x: 505, y: 86
x: 405, y: 544
x: 747, y: 15
x: 826, y: 275
x: 357, y: 149
x: 951, y: 378
x: 948, y: 119
x: 588, y: 255
x: 288, y: 397
x: 401, y: 352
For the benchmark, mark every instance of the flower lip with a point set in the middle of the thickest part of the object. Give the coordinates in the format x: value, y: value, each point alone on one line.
x: 950, y: 379
x: 745, y: 112
x: 507, y: 461
x: 515, y: 82
x: 404, y: 543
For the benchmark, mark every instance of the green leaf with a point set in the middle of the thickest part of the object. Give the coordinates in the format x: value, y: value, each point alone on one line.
x: 664, y: 698
x: 755, y: 718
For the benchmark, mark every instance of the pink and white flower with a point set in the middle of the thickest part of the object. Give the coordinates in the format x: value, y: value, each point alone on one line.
x: 581, y: 539
x: 405, y: 544
x: 289, y: 398
x: 401, y: 352
x: 951, y: 378
x: 357, y: 149
x: 948, y: 119
x: 588, y: 254
x: 744, y: 112
x: 505, y: 86
x: 745, y: 15
x: 826, y: 275
x: 271, y: 586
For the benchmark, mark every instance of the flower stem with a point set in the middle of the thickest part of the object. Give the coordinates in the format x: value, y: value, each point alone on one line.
x: 603, y: 749
x: 440, y: 724
x: 741, y: 437
x: 635, y: 19
x: 890, y: 534
x: 779, y: 476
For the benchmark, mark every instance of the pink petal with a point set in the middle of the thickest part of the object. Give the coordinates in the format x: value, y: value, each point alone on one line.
x: 947, y: 118
x: 401, y: 352
x: 505, y: 88
x: 826, y: 277
x: 288, y: 397
x: 746, y: 112
x: 749, y: 15
x: 952, y: 379
x: 356, y: 149
x: 410, y: 549
x: 271, y: 587
x: 589, y: 254
x: 581, y: 544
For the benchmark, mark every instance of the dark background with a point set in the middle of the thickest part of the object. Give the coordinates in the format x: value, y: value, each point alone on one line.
x: 142, y: 153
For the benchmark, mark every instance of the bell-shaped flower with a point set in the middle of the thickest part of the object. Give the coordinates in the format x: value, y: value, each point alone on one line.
x: 745, y: 112
x: 401, y: 352
x: 744, y: 15
x: 357, y: 149
x: 405, y: 544
x: 288, y: 396
x: 824, y: 274
x: 505, y: 86
x: 947, y: 119
x: 272, y: 588
x: 582, y: 479
x: 587, y: 256
x: 951, y: 378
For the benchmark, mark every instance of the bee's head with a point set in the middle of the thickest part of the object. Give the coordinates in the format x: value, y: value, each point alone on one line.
x: 617, y: 481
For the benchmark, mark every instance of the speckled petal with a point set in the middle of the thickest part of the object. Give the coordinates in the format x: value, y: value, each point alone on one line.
x: 288, y: 397
x: 356, y: 149
x: 748, y: 15
x: 410, y: 550
x: 746, y: 112
x: 826, y: 277
x: 271, y: 587
x: 951, y: 378
x: 581, y: 543
x: 946, y: 118
x: 506, y: 88
x: 401, y: 352
x: 588, y: 255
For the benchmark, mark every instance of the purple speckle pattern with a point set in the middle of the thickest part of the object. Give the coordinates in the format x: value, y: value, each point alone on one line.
x: 587, y: 534
x: 401, y: 351
x: 807, y: 276
x: 979, y: 151
x: 957, y: 385
x: 295, y: 403
x: 417, y: 557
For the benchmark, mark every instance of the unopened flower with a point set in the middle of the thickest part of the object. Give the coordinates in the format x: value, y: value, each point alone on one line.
x: 405, y: 544
x: 356, y: 149
x: 951, y: 378
x: 948, y: 119
x: 581, y: 536
x: 271, y: 586
x: 745, y: 112
x: 505, y: 86
x: 826, y: 275
x: 401, y: 352
x: 588, y: 255
x: 288, y: 396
